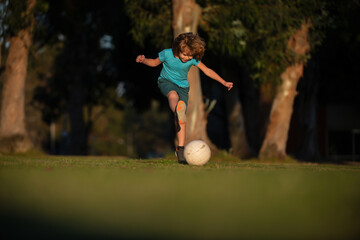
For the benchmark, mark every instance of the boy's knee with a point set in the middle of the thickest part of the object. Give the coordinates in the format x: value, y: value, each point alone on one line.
x: 173, y: 94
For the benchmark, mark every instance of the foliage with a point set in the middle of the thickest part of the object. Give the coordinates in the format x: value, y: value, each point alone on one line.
x: 151, y: 21
x: 42, y: 67
x: 16, y: 17
x: 67, y: 52
x: 83, y: 67
x: 257, y: 32
x: 254, y: 32
x: 149, y: 132
x: 339, y: 56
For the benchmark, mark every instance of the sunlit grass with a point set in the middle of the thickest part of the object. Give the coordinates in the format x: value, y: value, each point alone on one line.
x: 115, y: 197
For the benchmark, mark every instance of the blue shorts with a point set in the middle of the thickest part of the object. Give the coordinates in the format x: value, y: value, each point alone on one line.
x: 167, y: 86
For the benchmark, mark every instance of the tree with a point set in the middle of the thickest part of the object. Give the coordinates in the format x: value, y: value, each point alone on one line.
x: 13, y: 133
x: 186, y: 16
x: 274, y: 144
x: 226, y: 39
x: 329, y: 78
x: 258, y: 33
x: 85, y: 74
x: 151, y: 21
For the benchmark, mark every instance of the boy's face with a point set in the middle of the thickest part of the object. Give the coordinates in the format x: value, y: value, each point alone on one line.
x: 185, y: 55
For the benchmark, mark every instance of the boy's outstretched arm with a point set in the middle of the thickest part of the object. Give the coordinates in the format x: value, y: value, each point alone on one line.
x: 148, y: 61
x: 212, y: 74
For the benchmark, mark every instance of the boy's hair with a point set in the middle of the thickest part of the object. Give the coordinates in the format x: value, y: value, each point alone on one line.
x: 191, y: 41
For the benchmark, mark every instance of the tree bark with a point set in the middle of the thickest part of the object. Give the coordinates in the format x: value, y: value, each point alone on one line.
x: 234, y: 108
x: 239, y: 144
x: 78, y: 133
x: 78, y: 75
x: 274, y: 144
x: 266, y: 96
x: 0, y: 57
x: 186, y: 16
x: 13, y: 133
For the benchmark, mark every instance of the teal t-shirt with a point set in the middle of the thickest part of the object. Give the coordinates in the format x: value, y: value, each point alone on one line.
x: 174, y: 69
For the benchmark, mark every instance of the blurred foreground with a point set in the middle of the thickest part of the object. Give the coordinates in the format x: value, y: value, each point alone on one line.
x: 106, y: 198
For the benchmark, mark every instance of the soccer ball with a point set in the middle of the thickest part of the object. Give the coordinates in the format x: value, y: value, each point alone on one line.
x: 197, y: 152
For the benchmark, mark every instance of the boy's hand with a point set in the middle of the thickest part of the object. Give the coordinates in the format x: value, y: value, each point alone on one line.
x: 140, y: 59
x: 229, y: 85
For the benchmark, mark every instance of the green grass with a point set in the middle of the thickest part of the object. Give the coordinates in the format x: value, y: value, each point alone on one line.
x: 114, y: 197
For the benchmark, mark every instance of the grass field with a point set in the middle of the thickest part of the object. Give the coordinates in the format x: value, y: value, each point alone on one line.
x: 118, y: 198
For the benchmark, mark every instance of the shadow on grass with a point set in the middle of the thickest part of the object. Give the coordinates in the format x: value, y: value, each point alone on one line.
x: 19, y: 226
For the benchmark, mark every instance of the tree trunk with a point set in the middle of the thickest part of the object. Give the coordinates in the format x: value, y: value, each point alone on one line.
x: 0, y: 58
x: 78, y: 133
x: 13, y: 133
x: 77, y: 94
x: 266, y: 96
x: 234, y: 108
x: 274, y: 144
x: 239, y: 144
x: 186, y: 16
x: 308, y: 147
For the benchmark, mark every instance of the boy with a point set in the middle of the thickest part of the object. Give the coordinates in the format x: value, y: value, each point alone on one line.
x: 187, y: 50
